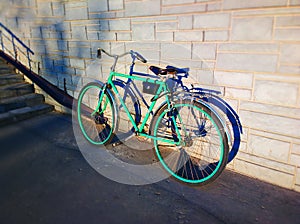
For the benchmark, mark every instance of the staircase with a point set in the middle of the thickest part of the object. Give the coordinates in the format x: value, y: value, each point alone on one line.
x: 17, y: 98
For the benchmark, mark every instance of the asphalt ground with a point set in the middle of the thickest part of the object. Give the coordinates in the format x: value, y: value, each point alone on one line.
x: 45, y: 179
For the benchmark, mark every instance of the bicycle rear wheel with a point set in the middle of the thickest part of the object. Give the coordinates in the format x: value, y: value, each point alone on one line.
x: 202, y: 155
x: 96, y: 114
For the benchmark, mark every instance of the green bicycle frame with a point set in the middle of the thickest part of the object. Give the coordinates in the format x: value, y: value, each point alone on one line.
x: 162, y: 89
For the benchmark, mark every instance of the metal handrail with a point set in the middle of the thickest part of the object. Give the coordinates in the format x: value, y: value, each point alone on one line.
x: 14, y: 40
x: 11, y: 56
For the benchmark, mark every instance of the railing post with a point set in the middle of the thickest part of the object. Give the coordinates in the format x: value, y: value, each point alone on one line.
x: 15, y: 42
x: 1, y: 39
x: 15, y: 48
x: 28, y: 57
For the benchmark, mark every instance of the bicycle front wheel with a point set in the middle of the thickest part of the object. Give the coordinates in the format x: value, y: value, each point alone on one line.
x: 196, y: 148
x: 96, y: 115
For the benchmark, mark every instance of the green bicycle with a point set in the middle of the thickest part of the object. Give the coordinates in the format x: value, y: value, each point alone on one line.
x: 189, y: 139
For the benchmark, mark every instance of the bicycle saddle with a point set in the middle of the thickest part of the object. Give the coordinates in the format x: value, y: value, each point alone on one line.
x: 168, y: 70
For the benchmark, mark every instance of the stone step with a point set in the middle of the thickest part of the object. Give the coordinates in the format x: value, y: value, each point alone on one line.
x: 5, y: 65
x: 16, y: 89
x: 6, y: 70
x: 27, y: 100
x: 10, y: 79
x: 17, y: 98
x: 24, y: 113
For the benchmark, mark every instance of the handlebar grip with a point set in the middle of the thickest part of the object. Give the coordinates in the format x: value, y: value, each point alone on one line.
x: 140, y: 57
x: 99, y: 53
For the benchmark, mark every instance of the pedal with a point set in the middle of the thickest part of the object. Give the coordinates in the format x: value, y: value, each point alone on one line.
x: 117, y: 143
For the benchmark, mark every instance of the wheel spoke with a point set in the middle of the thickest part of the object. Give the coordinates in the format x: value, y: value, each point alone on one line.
x: 204, y: 148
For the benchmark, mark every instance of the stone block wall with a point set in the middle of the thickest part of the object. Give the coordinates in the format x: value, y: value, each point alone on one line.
x: 247, y: 49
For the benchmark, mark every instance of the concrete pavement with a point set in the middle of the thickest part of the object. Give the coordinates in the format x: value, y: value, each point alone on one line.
x: 45, y: 179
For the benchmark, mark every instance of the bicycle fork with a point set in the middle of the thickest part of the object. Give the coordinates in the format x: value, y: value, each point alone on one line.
x: 98, y: 113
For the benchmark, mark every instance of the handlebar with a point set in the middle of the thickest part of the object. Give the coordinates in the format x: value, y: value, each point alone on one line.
x: 133, y: 54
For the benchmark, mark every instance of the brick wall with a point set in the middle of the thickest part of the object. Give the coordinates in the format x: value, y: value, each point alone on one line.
x: 247, y: 49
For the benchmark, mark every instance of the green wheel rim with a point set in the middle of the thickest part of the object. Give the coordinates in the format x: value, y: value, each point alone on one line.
x: 79, y: 117
x: 167, y: 167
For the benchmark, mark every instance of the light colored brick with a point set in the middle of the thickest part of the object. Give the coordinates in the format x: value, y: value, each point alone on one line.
x: 267, y: 12
x: 296, y: 149
x: 290, y: 53
x: 58, y: 9
x: 115, y: 5
x: 214, y: 6
x: 79, y: 32
x: 271, y: 109
x: 178, y: 2
x: 181, y: 9
x: 278, y: 78
x: 271, y: 123
x: 285, y: 21
x: 126, y: 36
x: 237, y: 4
x: 274, y: 135
x: 119, y: 24
x: 286, y: 69
x: 177, y: 51
x: 216, y: 35
x: 249, y: 47
x: 164, y: 26
x: 150, y: 55
x: 276, y: 92
x: 205, y: 76
x: 102, y: 25
x: 153, y: 19
x: 44, y: 9
x: 247, y: 62
x: 142, y: 8
x: 212, y: 20
x: 272, y: 164
x: 188, y: 36
x: 143, y: 32
x: 80, y: 52
x: 264, y: 173
x: 238, y: 93
x: 204, y: 51
x: 269, y: 148
x: 287, y: 34
x: 164, y: 36
x: 254, y: 29
x: 185, y: 22
x: 295, y: 160
x: 298, y: 176
x: 294, y: 2
x: 77, y: 63
x: 76, y: 13
x: 233, y: 79
x: 103, y: 15
x: 139, y: 45
x: 97, y: 5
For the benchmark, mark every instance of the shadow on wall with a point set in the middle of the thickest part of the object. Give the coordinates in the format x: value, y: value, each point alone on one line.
x: 60, y: 51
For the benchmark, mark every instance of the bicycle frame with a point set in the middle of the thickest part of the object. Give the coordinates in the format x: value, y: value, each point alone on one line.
x: 161, y: 91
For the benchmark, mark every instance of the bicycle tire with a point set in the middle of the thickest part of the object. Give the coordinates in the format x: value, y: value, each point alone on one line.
x: 194, y: 163
x: 97, y: 120
x: 232, y: 121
